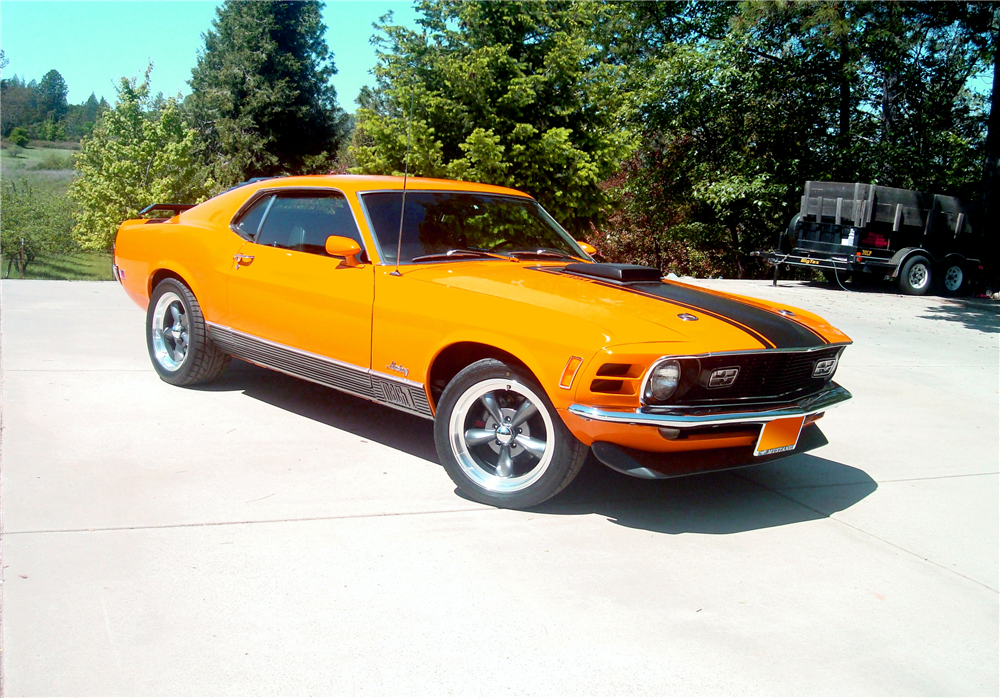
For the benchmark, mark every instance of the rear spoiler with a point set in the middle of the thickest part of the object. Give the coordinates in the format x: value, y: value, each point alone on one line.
x: 173, y: 208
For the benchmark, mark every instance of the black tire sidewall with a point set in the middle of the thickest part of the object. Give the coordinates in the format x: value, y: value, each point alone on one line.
x: 944, y: 276
x: 904, y: 276
x: 563, y: 460
x: 182, y: 376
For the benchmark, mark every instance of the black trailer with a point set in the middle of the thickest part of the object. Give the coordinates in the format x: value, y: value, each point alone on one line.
x: 870, y: 231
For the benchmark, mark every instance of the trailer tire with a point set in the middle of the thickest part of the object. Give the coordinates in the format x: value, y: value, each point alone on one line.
x: 916, y: 276
x: 954, y: 279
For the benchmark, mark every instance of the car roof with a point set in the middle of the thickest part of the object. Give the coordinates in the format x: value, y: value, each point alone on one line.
x: 362, y: 183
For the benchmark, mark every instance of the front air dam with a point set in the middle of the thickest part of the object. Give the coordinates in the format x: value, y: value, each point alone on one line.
x: 657, y: 466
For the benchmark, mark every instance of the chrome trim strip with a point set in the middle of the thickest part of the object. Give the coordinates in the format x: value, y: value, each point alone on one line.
x: 395, y: 379
x: 712, y: 416
x: 399, y: 393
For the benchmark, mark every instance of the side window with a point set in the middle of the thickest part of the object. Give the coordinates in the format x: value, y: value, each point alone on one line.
x: 303, y: 222
x: 249, y: 222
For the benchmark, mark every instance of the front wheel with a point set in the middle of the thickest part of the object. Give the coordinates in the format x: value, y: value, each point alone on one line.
x: 177, y: 338
x: 915, y: 276
x: 500, y: 439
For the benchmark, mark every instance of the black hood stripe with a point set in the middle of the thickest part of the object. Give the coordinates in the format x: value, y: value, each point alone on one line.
x: 772, y: 330
x: 777, y: 330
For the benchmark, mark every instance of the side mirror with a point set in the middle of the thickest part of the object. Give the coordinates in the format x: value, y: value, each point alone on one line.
x: 589, y: 249
x: 337, y: 246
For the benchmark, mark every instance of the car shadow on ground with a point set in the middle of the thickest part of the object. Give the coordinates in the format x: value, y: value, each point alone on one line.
x: 797, y: 489
x: 801, y: 488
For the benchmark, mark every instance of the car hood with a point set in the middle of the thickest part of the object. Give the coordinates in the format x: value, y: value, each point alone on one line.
x: 657, y: 311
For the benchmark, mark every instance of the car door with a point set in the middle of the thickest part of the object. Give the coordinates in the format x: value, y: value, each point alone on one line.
x: 285, y: 289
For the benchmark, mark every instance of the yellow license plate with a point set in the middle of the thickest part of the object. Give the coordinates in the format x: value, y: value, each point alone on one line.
x: 779, y: 436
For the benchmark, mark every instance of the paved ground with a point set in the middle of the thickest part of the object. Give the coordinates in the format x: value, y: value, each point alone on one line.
x: 266, y: 536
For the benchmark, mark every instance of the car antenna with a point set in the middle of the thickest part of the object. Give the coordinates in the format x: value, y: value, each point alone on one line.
x: 406, y: 172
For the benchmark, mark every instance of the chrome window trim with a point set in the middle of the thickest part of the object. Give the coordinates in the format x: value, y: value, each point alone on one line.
x: 718, y: 415
x: 371, y: 228
x: 713, y: 354
x: 261, y: 193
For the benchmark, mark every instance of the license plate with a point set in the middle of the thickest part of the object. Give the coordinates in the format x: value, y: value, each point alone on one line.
x: 779, y: 436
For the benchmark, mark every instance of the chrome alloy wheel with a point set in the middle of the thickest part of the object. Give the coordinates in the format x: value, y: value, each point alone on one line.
x: 953, y: 278
x: 502, y: 435
x: 919, y: 276
x: 170, y: 331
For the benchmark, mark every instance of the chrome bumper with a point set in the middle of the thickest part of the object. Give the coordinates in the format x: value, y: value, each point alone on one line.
x: 711, y: 416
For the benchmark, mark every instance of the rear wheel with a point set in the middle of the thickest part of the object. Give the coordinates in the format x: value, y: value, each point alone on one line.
x: 954, y: 280
x: 177, y: 338
x: 500, y: 439
x: 915, y: 276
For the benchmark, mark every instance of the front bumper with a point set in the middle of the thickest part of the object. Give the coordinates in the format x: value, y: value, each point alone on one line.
x: 680, y: 417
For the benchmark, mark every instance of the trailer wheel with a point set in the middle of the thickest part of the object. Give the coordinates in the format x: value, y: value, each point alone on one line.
x: 954, y: 280
x: 915, y: 276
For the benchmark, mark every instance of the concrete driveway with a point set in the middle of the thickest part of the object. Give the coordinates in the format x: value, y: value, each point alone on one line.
x: 263, y: 535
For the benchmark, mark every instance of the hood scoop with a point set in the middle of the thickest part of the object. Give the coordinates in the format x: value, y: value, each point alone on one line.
x: 622, y: 273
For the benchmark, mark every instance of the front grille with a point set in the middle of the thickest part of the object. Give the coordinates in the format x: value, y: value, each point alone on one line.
x: 762, y: 376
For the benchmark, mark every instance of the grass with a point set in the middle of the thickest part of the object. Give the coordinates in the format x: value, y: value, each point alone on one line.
x: 77, y: 266
x: 49, y: 167
x: 42, y: 165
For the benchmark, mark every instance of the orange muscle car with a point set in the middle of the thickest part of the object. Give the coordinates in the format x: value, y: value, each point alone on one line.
x: 469, y: 305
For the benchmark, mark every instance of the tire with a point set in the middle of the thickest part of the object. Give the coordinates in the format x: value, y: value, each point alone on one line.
x: 526, y: 460
x: 954, y: 280
x: 915, y: 277
x: 177, y: 338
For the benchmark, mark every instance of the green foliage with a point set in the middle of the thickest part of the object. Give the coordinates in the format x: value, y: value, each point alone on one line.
x: 52, y: 91
x: 19, y: 137
x: 41, y: 219
x: 40, y: 109
x: 53, y: 160
x: 261, y: 99
x: 736, y: 105
x: 135, y: 157
x: 505, y: 93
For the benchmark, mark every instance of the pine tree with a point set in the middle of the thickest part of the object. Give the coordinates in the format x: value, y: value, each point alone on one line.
x: 261, y: 100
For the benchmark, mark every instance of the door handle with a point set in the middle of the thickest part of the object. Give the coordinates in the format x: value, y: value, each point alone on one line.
x: 242, y: 260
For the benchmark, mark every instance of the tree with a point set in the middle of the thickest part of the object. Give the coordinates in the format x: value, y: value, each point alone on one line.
x: 506, y: 93
x: 34, y: 221
x: 19, y: 104
x: 18, y: 136
x: 52, y: 91
x: 135, y: 157
x: 747, y: 101
x: 261, y: 99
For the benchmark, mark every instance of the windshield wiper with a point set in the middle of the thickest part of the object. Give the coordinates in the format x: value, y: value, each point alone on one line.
x: 543, y: 252
x: 459, y: 253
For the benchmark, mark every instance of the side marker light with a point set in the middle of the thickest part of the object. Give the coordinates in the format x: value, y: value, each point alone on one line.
x: 569, y: 373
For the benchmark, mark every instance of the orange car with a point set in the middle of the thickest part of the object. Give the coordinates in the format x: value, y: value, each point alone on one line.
x: 469, y: 305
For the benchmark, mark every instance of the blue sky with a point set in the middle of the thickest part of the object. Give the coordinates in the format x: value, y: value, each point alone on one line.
x: 92, y: 44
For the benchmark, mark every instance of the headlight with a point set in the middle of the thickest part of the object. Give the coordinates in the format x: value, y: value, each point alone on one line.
x: 662, y: 381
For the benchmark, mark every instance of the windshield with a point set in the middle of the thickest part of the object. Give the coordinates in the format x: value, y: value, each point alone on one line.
x: 464, y: 224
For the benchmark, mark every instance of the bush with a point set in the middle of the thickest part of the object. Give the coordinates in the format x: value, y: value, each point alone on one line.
x: 54, y: 160
x: 19, y: 136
